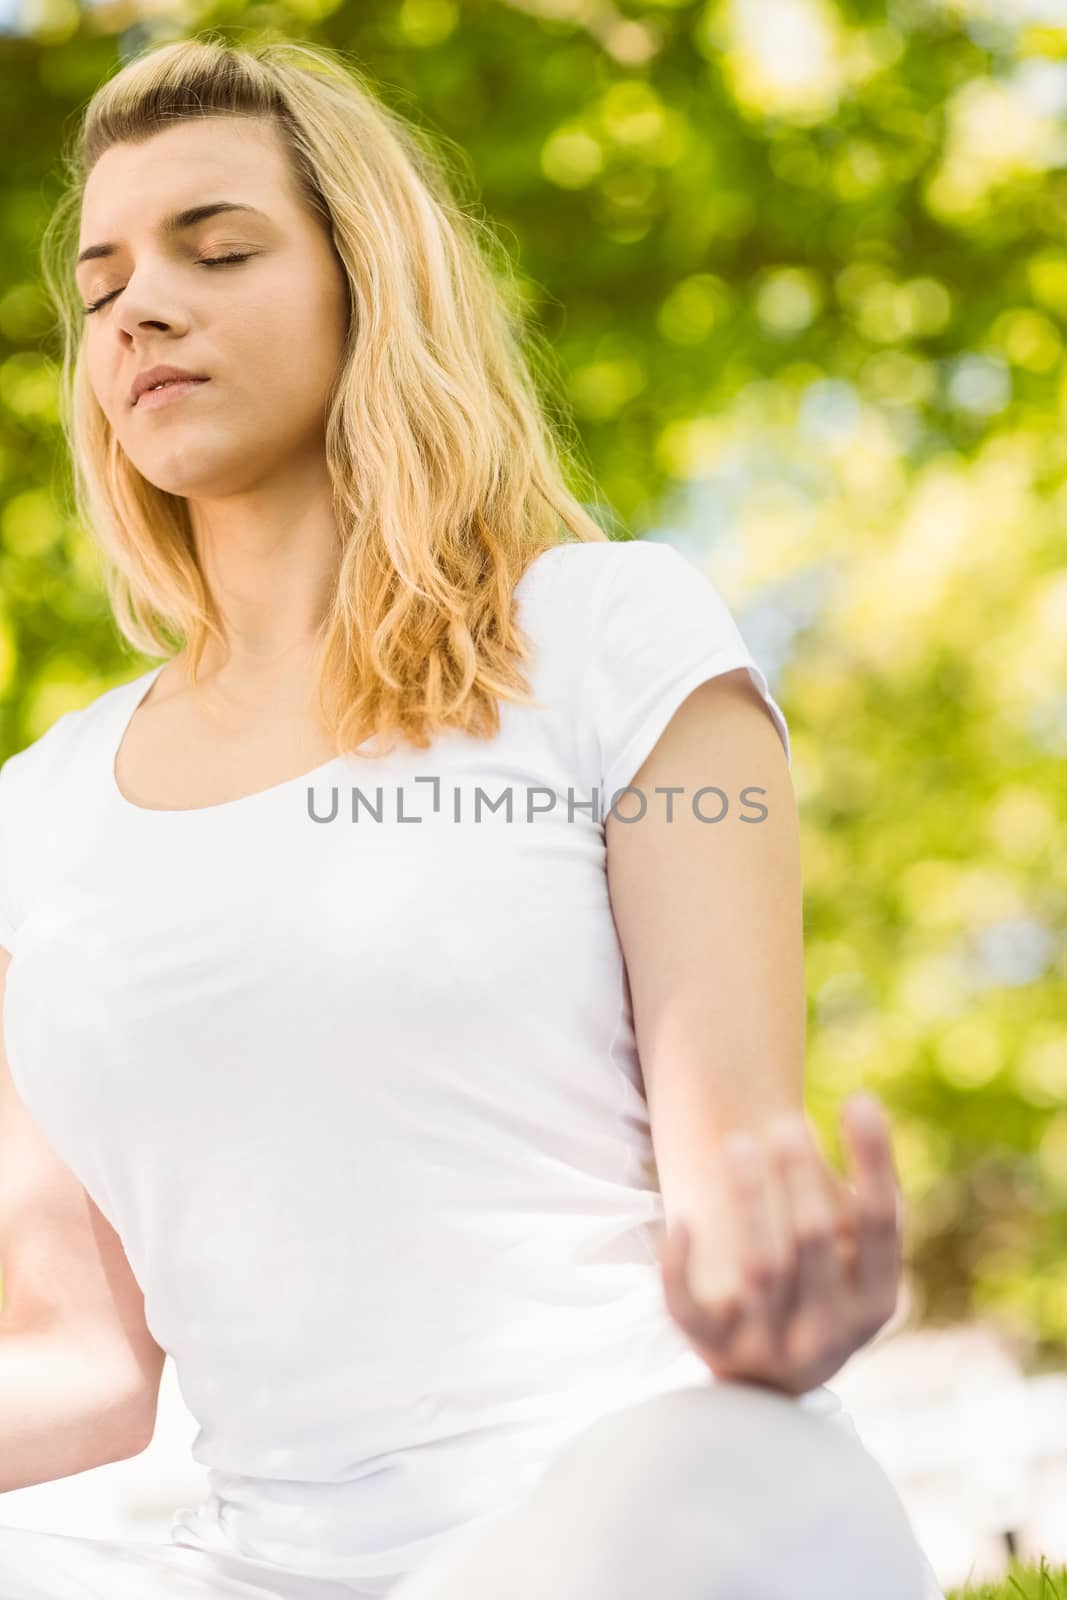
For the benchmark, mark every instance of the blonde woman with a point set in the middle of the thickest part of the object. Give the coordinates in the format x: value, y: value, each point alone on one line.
x: 358, y: 1056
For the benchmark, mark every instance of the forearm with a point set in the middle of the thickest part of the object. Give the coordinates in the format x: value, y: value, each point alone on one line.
x: 692, y: 1116
x: 57, y: 1415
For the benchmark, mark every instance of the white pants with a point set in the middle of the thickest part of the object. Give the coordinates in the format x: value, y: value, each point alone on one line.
x: 722, y: 1492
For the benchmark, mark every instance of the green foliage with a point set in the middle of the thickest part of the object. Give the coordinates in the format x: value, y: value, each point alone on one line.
x: 811, y: 304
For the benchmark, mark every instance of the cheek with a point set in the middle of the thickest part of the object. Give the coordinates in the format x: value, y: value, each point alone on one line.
x: 332, y: 313
x: 305, y: 352
x: 111, y: 389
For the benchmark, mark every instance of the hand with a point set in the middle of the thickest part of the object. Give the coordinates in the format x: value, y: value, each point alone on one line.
x: 803, y: 1267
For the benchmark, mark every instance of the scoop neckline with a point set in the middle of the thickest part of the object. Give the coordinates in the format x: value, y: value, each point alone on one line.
x: 149, y: 678
x: 115, y: 745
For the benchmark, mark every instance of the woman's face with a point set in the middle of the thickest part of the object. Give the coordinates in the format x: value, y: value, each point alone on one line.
x: 267, y: 332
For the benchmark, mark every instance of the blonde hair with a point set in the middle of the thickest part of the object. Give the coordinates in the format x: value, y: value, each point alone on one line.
x: 447, y: 477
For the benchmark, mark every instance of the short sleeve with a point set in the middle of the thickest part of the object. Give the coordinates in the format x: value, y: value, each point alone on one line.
x: 662, y: 628
x: 7, y: 930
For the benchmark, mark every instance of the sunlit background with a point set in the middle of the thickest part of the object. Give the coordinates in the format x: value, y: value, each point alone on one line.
x: 804, y: 265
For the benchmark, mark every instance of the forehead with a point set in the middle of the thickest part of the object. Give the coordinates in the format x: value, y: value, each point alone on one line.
x: 200, y: 158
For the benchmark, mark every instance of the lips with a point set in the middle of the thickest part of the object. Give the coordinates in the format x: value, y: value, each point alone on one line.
x: 167, y: 394
x: 168, y: 383
x: 162, y: 376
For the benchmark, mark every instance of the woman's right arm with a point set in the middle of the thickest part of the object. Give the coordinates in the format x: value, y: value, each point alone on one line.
x: 79, y: 1370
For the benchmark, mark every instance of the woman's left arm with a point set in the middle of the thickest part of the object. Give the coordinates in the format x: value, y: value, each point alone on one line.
x: 775, y: 1267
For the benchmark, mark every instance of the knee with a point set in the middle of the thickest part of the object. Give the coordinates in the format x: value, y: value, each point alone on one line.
x: 719, y: 1432
x: 726, y: 1472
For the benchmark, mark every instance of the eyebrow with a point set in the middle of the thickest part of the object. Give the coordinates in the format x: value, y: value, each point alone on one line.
x: 173, y: 224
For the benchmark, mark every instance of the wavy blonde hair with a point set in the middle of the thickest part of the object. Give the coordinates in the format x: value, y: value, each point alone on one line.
x: 447, y: 477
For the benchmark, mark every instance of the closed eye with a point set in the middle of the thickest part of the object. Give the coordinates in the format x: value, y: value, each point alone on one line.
x: 204, y: 261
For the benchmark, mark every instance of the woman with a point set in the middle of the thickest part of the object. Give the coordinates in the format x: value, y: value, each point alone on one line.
x: 323, y: 1059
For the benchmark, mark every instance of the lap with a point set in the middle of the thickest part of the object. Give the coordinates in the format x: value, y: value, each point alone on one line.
x: 728, y: 1470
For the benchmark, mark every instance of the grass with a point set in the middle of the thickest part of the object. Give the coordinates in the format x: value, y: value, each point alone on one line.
x: 1023, y: 1582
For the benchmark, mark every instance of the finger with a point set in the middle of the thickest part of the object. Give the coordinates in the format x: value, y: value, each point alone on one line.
x: 848, y: 1250
x: 842, y: 1200
x: 820, y: 1283
x: 878, y: 1204
x: 764, y: 1237
x: 710, y: 1320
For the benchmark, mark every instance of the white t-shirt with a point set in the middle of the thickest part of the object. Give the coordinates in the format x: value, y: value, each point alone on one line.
x: 362, y: 1098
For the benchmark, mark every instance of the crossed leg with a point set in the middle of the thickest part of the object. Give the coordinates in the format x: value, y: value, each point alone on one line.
x: 725, y: 1491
